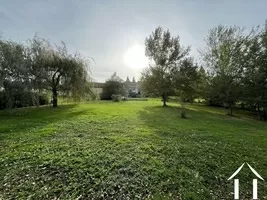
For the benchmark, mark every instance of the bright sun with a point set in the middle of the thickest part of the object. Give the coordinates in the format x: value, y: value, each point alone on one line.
x: 135, y: 57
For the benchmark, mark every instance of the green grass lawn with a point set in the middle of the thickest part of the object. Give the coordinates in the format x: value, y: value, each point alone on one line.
x: 128, y: 150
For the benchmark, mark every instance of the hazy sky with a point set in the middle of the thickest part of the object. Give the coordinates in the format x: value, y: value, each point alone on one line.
x: 113, y: 32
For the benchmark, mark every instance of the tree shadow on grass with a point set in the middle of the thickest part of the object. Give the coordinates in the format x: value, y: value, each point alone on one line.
x: 174, y: 145
x: 237, y: 113
x: 161, y: 119
x: 189, y: 149
x: 26, y: 119
x: 160, y: 112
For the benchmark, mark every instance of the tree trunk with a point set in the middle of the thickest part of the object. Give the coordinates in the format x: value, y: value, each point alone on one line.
x: 264, y: 113
x: 54, y: 98
x: 183, y: 115
x: 258, y: 111
x: 231, y: 110
x: 164, y: 99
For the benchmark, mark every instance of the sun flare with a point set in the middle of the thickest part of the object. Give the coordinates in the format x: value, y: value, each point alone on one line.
x: 135, y: 57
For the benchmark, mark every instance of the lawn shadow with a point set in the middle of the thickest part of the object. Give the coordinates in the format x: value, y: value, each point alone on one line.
x: 25, y: 119
x: 237, y: 113
x: 160, y: 118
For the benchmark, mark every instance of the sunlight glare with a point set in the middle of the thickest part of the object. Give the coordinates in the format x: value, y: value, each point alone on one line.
x: 135, y: 57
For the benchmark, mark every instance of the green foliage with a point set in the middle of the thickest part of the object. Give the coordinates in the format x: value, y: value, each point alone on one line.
x: 223, y: 58
x: 3, y: 100
x: 94, y: 96
x: 186, y: 80
x: 113, y: 86
x: 165, y: 53
x: 54, y: 68
x: 43, y: 99
x: 236, y: 63
x: 202, y: 90
x: 255, y: 72
x: 13, y: 65
x: 116, y: 97
x: 40, y: 66
x: 18, y: 99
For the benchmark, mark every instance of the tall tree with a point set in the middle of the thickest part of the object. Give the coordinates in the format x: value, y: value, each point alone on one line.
x: 14, y: 76
x: 164, y: 53
x: 223, y: 58
x: 12, y: 62
x: 203, y: 83
x: 255, y: 72
x: 185, y: 82
x: 53, y: 68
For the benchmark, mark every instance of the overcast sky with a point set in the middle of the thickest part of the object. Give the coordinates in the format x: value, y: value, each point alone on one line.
x: 107, y: 30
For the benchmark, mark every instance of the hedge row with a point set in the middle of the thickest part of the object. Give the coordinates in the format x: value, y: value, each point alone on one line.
x: 22, y: 99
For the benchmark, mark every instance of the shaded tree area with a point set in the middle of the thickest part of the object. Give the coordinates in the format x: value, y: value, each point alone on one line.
x: 237, y: 64
x: 232, y: 73
x: 224, y: 61
x: 30, y: 73
x: 113, y: 86
x: 254, y: 77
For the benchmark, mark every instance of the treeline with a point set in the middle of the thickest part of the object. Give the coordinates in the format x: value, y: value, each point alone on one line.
x: 36, y: 73
x: 232, y: 72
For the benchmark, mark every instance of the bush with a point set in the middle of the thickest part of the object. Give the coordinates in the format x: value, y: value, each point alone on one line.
x: 43, y: 99
x: 214, y: 101
x: 3, y: 100
x: 28, y: 99
x: 22, y: 99
x: 124, y: 99
x: 94, y: 97
x: 116, y: 97
x: 183, y: 115
x: 173, y: 99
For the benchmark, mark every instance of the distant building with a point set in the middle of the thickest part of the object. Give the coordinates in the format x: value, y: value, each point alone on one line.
x: 131, y: 86
x: 98, y: 87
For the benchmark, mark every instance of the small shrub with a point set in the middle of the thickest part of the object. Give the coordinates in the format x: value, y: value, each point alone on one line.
x: 94, y: 97
x: 183, y: 116
x: 43, y: 99
x: 116, y: 97
x: 124, y: 99
x: 183, y: 110
x: 28, y: 99
x: 3, y: 100
x: 173, y: 99
x: 20, y: 99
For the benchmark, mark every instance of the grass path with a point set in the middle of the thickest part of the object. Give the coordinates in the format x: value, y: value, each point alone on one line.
x: 128, y: 150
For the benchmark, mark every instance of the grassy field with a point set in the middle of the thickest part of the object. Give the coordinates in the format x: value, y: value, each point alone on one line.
x: 128, y: 150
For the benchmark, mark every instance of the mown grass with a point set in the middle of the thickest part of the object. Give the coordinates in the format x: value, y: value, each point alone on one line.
x: 128, y: 150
